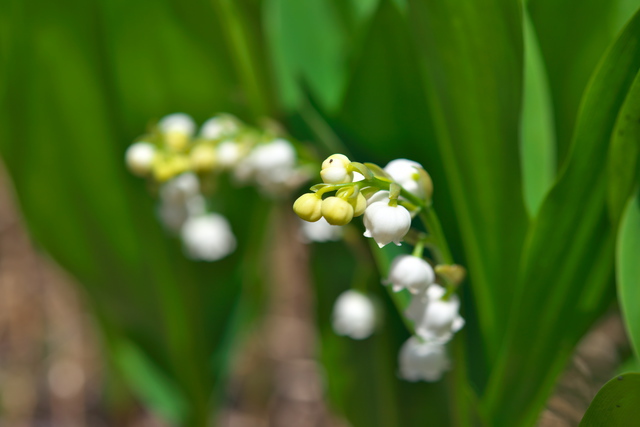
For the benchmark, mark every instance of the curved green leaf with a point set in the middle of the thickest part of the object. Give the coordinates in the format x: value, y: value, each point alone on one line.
x: 565, y: 275
x: 628, y: 270
x: 537, y: 133
x: 616, y: 404
x: 573, y: 36
x: 471, y: 61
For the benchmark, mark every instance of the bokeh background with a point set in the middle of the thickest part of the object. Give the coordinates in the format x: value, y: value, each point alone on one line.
x: 105, y: 322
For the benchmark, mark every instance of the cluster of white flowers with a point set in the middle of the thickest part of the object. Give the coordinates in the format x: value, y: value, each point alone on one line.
x: 385, y: 219
x: 178, y: 157
x: 222, y: 144
x: 435, y: 315
x: 388, y: 198
x: 182, y: 210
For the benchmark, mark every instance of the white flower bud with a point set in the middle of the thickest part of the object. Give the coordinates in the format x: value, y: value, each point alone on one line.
x: 335, y: 170
x: 411, y: 273
x: 139, y: 158
x: 405, y: 173
x: 208, y: 237
x: 219, y: 127
x: 203, y: 158
x: 423, y: 361
x: 435, y: 320
x: 320, y: 231
x: 354, y: 315
x: 177, y: 129
x: 386, y: 224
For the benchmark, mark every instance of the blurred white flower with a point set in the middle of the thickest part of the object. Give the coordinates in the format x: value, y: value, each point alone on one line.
x: 229, y: 153
x: 178, y: 129
x: 272, y: 166
x: 180, y: 199
x: 320, y: 231
x: 411, y: 273
x: 174, y: 214
x: 139, y: 158
x: 354, y: 315
x: 386, y: 224
x: 435, y: 320
x: 423, y: 361
x: 177, y: 122
x: 405, y: 173
x: 219, y: 127
x: 208, y: 237
x: 180, y: 188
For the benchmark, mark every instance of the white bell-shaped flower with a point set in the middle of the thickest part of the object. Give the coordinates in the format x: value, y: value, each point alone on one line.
x: 423, y: 361
x: 405, y: 173
x: 354, y: 315
x: 208, y: 237
x: 378, y: 196
x: 386, y: 224
x: 320, y: 231
x: 411, y: 273
x: 435, y: 319
x: 139, y: 158
x: 219, y: 127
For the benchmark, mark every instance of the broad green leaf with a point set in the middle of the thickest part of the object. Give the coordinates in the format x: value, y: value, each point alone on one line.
x: 566, y: 272
x: 616, y: 404
x: 308, y: 47
x: 628, y: 270
x: 624, y: 154
x: 472, y: 61
x: 537, y: 132
x: 573, y: 35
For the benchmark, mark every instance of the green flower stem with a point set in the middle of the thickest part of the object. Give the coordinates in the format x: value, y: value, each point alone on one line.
x: 418, y: 248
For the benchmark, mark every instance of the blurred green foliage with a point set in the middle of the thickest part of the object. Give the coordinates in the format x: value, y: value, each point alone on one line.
x: 459, y: 86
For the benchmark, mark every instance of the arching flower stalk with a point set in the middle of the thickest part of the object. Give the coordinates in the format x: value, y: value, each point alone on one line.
x: 390, y: 200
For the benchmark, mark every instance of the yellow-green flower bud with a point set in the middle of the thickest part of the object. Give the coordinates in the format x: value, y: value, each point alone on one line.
x: 337, y: 211
x: 165, y: 168
x: 335, y: 170
x: 308, y: 207
x: 355, y: 198
x: 176, y: 141
x: 359, y: 205
x: 203, y: 158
